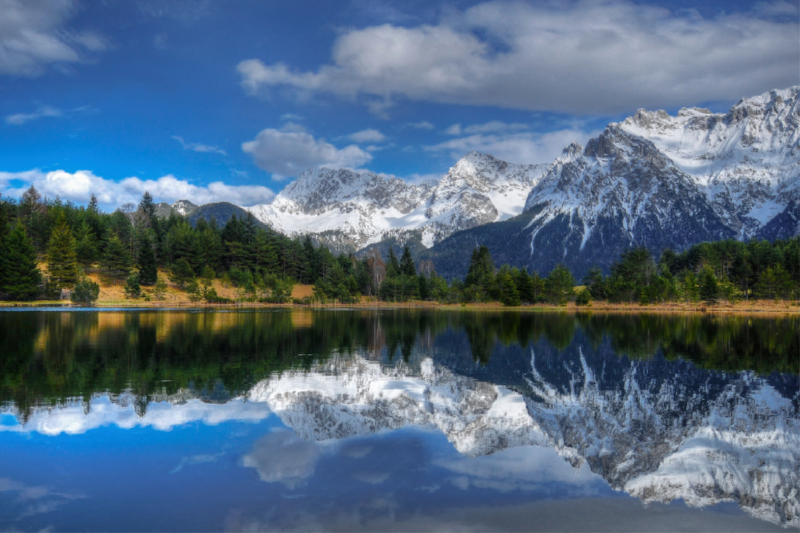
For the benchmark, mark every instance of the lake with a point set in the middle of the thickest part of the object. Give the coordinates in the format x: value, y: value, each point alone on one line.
x: 397, y: 420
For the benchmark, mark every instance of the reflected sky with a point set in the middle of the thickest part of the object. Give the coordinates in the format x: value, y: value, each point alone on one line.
x: 551, y: 433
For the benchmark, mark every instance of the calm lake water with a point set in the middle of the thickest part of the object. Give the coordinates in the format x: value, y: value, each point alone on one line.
x: 397, y: 420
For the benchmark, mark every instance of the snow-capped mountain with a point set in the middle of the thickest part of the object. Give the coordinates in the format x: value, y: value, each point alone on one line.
x: 659, y: 434
x: 747, y: 161
x: 659, y: 181
x: 659, y: 430
x: 358, y: 208
x: 183, y: 207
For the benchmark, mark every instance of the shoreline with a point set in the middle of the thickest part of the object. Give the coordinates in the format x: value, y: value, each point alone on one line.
x: 755, y: 307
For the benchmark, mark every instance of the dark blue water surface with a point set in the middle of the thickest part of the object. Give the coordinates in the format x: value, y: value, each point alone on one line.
x: 397, y: 420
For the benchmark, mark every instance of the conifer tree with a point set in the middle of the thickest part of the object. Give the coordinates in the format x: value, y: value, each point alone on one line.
x: 508, y: 289
x: 524, y: 284
x: 709, y: 287
x: 133, y: 288
x: 148, y: 270
x: 481, y: 273
x: 62, y: 259
x: 181, y: 273
x: 559, y: 285
x: 86, y: 245
x: 116, y: 260
x: 392, y: 265
x: 407, y: 263
x: 21, y: 279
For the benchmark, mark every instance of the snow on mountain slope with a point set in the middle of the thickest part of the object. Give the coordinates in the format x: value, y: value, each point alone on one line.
x: 361, y: 397
x: 679, y: 436
x: 183, y: 207
x: 659, y: 182
x: 659, y: 431
x: 746, y: 160
x: 362, y: 206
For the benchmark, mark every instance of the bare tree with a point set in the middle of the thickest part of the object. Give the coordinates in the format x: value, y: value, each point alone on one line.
x: 376, y: 266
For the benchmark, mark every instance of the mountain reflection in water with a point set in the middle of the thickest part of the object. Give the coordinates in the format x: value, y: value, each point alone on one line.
x: 705, y: 409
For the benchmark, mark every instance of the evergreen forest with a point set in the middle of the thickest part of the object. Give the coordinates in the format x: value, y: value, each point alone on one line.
x: 47, y: 248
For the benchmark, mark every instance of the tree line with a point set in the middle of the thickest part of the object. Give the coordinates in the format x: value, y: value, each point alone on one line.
x: 131, y: 245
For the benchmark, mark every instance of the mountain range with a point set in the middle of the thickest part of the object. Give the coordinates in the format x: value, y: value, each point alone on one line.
x: 656, y: 429
x: 652, y: 180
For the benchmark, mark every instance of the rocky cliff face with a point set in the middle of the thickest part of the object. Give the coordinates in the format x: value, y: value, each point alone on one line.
x: 358, y: 208
x: 659, y: 182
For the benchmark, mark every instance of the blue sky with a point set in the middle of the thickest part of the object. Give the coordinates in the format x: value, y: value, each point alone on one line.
x: 211, y: 100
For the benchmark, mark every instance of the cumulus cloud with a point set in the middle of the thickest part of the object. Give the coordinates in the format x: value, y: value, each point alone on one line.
x: 199, y: 147
x: 79, y: 186
x: 32, y: 35
x: 367, y: 136
x: 291, y: 150
x: 283, y: 457
x: 522, y: 147
x: 584, y: 56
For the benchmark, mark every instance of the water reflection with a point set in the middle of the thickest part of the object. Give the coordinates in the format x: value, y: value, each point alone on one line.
x: 693, y: 408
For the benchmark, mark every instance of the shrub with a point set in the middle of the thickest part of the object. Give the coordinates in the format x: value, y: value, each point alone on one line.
x: 85, y: 292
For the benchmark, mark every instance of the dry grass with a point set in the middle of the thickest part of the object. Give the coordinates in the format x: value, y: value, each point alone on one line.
x: 112, y: 294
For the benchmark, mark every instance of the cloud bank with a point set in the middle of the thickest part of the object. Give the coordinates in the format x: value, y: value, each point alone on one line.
x: 584, y: 56
x: 79, y: 186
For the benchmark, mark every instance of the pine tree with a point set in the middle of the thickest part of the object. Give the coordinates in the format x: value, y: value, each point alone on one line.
x: 508, y: 289
x: 116, y: 260
x: 524, y: 284
x: 407, y: 263
x: 133, y: 288
x: 559, y: 286
x: 392, y: 265
x: 148, y: 206
x: 181, y: 273
x: 62, y: 259
x: 481, y: 274
x: 709, y: 287
x: 21, y: 278
x: 148, y: 270
x: 86, y: 245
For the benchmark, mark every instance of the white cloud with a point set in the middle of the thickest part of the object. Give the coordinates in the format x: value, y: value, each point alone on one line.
x: 79, y: 186
x: 199, y: 147
x: 291, y: 150
x: 36, y: 499
x: 21, y: 118
x: 163, y: 416
x: 367, y: 136
x: 584, y: 56
x: 32, y: 35
x: 522, y: 148
x: 455, y: 129
x: 495, y: 126
x: 282, y: 456
x: 423, y: 125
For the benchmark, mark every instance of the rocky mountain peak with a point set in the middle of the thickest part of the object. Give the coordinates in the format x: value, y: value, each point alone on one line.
x: 361, y: 207
x: 571, y: 152
x: 183, y: 207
